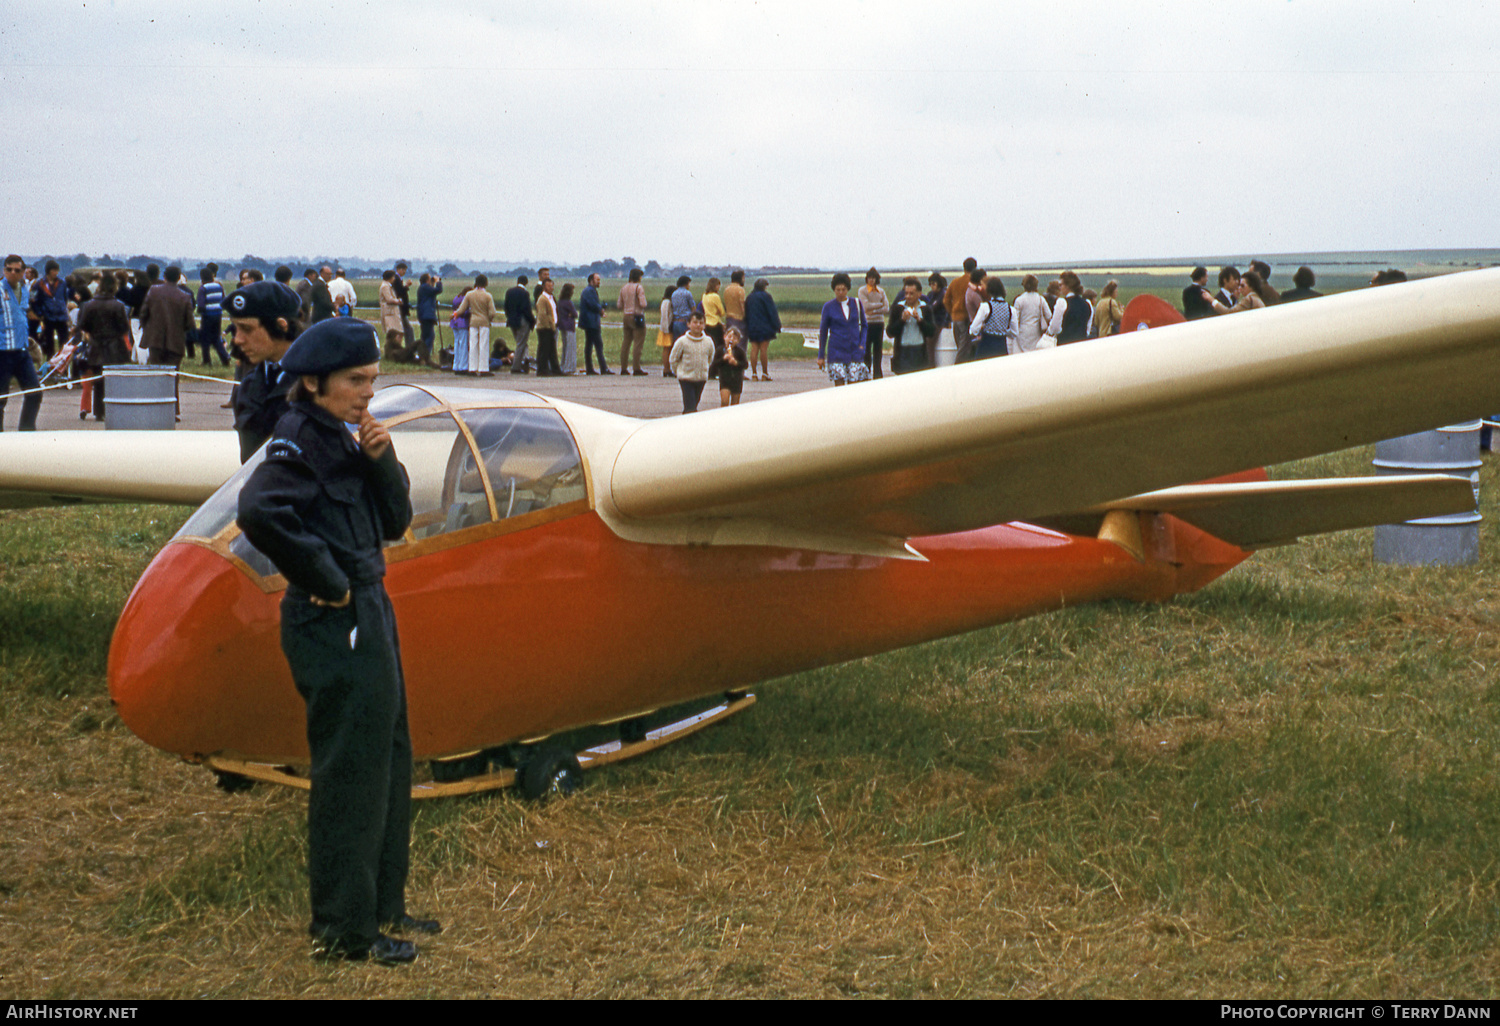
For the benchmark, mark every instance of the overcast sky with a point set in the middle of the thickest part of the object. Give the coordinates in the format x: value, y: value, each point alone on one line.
x: 770, y: 132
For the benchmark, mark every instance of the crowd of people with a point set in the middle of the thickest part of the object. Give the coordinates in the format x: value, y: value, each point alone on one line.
x: 92, y: 319
x: 89, y: 320
x: 985, y: 324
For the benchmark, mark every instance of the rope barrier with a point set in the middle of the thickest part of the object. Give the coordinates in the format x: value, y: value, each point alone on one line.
x: 48, y: 388
x: 204, y: 377
x: 83, y: 381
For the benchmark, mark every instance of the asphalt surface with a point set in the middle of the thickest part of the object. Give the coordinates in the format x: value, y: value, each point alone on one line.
x: 650, y: 396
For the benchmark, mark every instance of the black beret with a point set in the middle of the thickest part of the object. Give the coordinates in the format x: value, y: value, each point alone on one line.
x: 269, y: 299
x: 332, y: 345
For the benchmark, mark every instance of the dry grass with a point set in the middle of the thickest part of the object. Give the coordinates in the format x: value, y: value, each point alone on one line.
x: 663, y: 885
x: 1282, y: 786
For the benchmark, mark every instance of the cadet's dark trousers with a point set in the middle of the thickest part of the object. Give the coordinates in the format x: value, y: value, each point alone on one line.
x: 359, y: 813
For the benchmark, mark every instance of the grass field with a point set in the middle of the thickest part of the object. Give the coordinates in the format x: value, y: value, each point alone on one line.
x: 1284, y: 785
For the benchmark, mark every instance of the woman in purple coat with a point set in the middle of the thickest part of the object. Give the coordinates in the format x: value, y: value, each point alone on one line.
x: 841, y: 336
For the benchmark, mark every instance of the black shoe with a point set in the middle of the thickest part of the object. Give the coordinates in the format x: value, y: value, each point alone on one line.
x: 606, y: 371
x: 411, y: 924
x: 639, y: 373
x: 591, y: 371
x: 383, y: 950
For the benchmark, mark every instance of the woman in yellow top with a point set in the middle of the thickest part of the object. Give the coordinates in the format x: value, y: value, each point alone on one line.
x: 1108, y: 312
x: 713, y: 315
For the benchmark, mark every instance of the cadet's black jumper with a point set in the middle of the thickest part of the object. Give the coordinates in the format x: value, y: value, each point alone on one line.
x: 319, y: 508
x: 259, y: 404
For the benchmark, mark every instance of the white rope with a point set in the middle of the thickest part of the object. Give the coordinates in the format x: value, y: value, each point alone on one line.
x: 203, y: 377
x: 48, y: 388
x: 82, y: 381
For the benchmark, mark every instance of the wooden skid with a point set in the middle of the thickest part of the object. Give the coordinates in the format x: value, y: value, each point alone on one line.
x: 256, y: 771
x: 616, y: 751
x: 589, y: 758
x: 469, y: 785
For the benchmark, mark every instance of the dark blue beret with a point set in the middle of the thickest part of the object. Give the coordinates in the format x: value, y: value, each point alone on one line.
x: 332, y: 345
x: 269, y: 299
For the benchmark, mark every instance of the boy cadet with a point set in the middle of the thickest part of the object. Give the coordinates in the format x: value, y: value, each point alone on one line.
x: 319, y: 507
x: 264, y: 316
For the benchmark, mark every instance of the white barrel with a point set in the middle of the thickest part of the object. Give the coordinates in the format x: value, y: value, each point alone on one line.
x: 140, y: 398
x: 1450, y: 540
x: 946, y: 354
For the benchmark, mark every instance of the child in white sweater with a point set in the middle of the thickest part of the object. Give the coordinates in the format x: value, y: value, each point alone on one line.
x: 691, y: 355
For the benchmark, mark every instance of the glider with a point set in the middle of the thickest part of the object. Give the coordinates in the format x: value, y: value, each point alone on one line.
x: 564, y: 562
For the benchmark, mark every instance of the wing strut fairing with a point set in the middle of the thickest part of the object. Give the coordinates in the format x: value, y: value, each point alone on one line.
x: 1259, y: 514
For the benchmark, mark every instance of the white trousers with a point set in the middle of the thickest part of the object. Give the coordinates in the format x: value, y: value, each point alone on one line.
x: 479, y: 348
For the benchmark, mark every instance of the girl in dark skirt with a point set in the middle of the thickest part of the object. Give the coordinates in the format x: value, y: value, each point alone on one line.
x: 729, y: 367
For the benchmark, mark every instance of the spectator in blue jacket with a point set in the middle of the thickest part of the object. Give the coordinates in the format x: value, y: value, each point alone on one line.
x: 762, y: 325
x: 49, y: 298
x: 429, y: 287
x: 520, y: 320
x: 590, y: 310
x: 683, y: 306
x: 841, y: 336
x: 15, y: 355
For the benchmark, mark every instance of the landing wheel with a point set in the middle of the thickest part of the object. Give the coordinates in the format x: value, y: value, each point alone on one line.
x: 550, y: 771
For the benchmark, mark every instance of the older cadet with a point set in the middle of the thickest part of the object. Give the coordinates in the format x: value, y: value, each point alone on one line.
x: 319, y: 507
x: 264, y: 315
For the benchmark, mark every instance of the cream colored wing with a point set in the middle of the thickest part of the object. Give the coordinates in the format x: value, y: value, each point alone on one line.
x: 55, y: 468
x: 1050, y: 432
x: 1257, y: 514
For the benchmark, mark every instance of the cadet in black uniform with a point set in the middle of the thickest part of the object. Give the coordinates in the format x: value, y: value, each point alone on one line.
x: 264, y: 316
x: 319, y: 507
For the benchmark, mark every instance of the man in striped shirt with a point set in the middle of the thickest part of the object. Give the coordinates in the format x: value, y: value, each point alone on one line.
x: 15, y: 358
x: 211, y: 315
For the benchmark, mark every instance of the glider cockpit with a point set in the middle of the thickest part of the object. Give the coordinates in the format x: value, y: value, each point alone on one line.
x: 481, y: 463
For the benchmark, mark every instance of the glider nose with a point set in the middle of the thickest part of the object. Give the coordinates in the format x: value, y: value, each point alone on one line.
x: 195, y: 665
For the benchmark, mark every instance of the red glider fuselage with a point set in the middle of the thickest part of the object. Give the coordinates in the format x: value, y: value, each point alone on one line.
x: 564, y: 624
